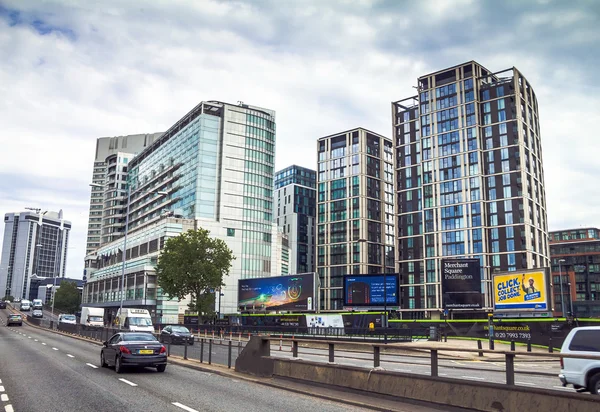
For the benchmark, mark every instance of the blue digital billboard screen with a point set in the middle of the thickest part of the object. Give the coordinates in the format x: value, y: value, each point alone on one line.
x: 293, y: 293
x: 368, y: 290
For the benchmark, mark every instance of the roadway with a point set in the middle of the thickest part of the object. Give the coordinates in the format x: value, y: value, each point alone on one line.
x: 44, y: 371
x: 537, y: 374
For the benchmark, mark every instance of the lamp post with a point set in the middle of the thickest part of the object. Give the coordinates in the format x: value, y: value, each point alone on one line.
x: 562, y: 297
x: 162, y: 193
x: 571, y: 299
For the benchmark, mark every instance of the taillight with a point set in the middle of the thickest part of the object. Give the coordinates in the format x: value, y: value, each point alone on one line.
x: 163, y: 349
x: 125, y: 349
x: 562, y: 363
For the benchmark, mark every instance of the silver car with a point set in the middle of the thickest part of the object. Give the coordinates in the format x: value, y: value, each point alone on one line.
x: 37, y: 313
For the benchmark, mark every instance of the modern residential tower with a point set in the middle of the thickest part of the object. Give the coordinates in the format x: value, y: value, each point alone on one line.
x: 470, y: 180
x: 34, y: 244
x: 355, y: 227
x: 294, y: 208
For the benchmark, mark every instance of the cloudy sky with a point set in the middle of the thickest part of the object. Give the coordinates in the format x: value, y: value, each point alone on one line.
x: 73, y: 71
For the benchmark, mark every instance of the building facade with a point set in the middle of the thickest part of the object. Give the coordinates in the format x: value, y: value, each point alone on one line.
x: 575, y: 256
x: 470, y: 180
x: 355, y: 227
x: 214, y: 166
x: 34, y: 244
x: 106, y: 147
x: 294, y: 210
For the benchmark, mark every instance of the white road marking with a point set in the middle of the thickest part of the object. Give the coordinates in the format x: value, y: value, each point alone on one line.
x: 526, y: 383
x: 185, y: 408
x: 70, y: 356
x: 564, y: 389
x: 473, y: 377
x: 35, y: 340
x: 55, y: 348
x: 9, y: 408
x: 91, y: 366
x: 443, y: 374
x: 0, y: 380
x: 4, y: 397
x: 128, y: 382
x: 29, y: 337
x: 1, y: 388
x: 43, y: 343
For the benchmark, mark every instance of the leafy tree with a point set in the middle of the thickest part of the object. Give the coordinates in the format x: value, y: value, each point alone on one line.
x: 194, y: 264
x: 67, y: 297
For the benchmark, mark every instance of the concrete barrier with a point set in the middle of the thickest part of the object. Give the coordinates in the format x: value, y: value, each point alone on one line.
x: 255, y: 359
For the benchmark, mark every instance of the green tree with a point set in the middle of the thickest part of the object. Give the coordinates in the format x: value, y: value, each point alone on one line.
x: 194, y: 264
x: 67, y: 297
x: 9, y: 298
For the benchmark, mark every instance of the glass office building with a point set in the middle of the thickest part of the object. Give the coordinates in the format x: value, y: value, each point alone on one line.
x: 294, y: 211
x: 216, y: 166
x: 470, y: 180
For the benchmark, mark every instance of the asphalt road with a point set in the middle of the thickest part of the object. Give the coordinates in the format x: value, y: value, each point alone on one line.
x: 469, y: 370
x: 43, y: 371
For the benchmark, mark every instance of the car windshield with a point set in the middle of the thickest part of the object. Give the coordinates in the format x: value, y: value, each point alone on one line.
x: 140, y: 321
x: 138, y: 337
x: 96, y: 318
x: 180, y: 329
x: 68, y: 317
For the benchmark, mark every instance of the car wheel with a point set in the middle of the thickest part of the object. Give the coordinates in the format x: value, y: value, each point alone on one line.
x: 102, y: 360
x: 161, y: 368
x: 118, y: 365
x: 594, y: 386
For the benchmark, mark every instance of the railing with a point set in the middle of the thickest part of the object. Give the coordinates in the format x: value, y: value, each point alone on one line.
x: 375, y: 352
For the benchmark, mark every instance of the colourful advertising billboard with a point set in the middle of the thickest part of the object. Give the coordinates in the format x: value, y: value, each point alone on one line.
x: 368, y: 290
x: 524, y: 291
x: 293, y: 293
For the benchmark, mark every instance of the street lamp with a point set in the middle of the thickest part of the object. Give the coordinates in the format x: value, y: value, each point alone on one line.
x: 562, y: 297
x: 162, y: 193
x: 571, y: 299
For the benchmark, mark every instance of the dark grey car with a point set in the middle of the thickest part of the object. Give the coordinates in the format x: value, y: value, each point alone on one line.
x: 133, y: 349
x: 176, y: 334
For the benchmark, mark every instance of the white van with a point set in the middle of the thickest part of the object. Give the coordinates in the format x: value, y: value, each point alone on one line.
x: 583, y: 374
x: 25, y: 305
x: 135, y: 320
x: 92, y: 317
x: 38, y: 304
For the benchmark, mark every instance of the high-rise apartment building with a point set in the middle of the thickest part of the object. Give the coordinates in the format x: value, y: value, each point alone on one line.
x: 216, y: 166
x: 124, y: 147
x: 294, y: 208
x: 575, y: 255
x: 356, y: 218
x: 34, y: 244
x: 470, y: 180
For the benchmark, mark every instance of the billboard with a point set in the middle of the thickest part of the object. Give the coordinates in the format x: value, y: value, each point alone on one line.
x: 295, y: 293
x: 461, y: 284
x: 524, y: 291
x: 368, y: 290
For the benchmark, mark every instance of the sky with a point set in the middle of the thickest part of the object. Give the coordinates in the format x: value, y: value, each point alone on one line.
x: 72, y: 71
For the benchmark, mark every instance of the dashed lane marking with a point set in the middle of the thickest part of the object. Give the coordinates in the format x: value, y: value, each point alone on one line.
x: 70, y: 356
x: 54, y: 348
x: 8, y: 408
x: 91, y: 366
x: 128, y: 382
x: 4, y: 397
x: 185, y: 408
x: 43, y: 343
x: 1, y: 388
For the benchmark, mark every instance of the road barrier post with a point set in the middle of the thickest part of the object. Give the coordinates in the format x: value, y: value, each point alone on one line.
x: 229, y: 356
x: 210, y: 352
x: 185, y: 348
x: 512, y: 345
x: 376, y: 356
x: 479, y: 346
x: 510, y: 368
x: 331, y: 353
x: 169, y: 349
x: 434, y: 362
x: 201, y: 350
x: 280, y: 342
x: 295, y: 348
x: 529, y: 346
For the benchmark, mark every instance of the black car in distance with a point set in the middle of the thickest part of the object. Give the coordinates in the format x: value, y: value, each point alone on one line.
x: 2, y: 304
x: 133, y: 349
x: 176, y: 334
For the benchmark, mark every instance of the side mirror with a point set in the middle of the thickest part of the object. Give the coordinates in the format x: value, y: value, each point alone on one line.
x: 105, y: 343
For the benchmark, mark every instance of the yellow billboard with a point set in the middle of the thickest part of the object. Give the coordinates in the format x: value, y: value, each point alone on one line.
x: 520, y: 291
